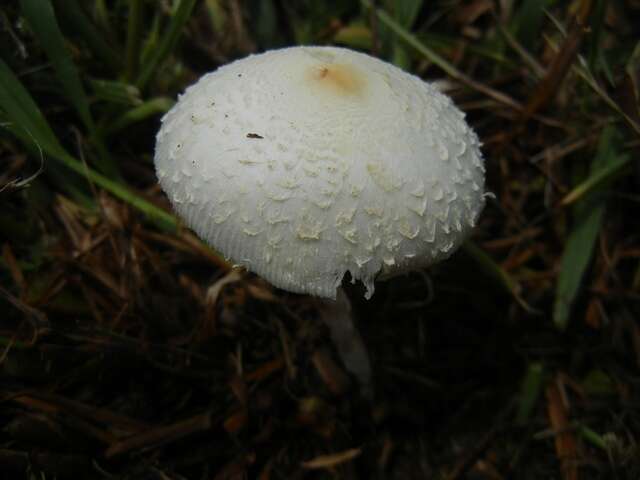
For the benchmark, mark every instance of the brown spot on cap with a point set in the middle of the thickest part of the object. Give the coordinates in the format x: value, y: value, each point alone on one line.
x: 341, y: 79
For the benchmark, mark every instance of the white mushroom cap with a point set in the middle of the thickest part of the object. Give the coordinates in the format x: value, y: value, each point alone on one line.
x: 304, y: 163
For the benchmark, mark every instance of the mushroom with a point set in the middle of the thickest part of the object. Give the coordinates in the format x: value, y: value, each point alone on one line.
x: 304, y: 163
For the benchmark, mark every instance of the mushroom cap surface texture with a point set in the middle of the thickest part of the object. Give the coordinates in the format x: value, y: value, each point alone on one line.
x: 307, y: 162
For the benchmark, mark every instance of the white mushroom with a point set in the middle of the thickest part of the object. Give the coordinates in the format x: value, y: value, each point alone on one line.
x: 304, y: 163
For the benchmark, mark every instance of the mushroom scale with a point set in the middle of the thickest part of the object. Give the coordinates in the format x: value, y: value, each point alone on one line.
x: 307, y: 162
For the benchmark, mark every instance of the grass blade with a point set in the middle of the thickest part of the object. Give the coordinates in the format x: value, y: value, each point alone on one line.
x: 41, y: 17
x: 575, y: 260
x: 527, y: 22
x: 581, y: 67
x: 597, y: 59
x: 493, y: 270
x: 354, y: 35
x: 22, y: 110
x: 72, y: 16
x: 115, y: 92
x: 436, y: 59
x: 405, y: 13
x: 134, y: 39
x: 530, y: 392
x: 589, y: 212
x: 264, y: 23
x: 149, y: 108
x: 593, y: 438
x: 168, y: 43
x: 27, y: 122
x: 595, y: 181
x: 632, y: 73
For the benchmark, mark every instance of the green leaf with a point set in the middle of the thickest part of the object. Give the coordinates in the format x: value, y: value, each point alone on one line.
x: 589, y: 213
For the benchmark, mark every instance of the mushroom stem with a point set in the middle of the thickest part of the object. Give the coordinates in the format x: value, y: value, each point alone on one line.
x: 337, y: 316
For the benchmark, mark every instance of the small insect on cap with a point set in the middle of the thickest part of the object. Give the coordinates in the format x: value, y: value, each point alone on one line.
x: 304, y: 163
